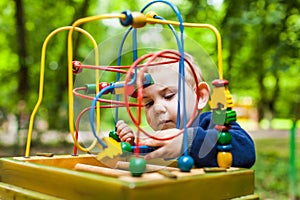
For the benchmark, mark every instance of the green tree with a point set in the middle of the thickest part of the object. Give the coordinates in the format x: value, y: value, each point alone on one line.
x: 263, y: 46
x: 260, y: 45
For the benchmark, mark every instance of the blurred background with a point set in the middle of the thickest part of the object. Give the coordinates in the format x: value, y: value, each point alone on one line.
x: 261, y: 50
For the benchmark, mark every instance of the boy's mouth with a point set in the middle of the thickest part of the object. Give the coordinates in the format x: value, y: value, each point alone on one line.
x: 166, y: 124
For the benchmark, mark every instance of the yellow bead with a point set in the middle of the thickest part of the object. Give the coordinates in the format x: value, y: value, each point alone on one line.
x: 119, y: 90
x: 139, y: 20
x: 224, y: 159
x: 151, y: 15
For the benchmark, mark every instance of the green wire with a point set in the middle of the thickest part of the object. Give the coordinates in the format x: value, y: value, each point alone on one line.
x: 292, y: 177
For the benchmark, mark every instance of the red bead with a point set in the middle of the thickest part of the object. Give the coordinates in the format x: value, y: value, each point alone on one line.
x: 220, y: 83
x: 104, y: 85
x: 76, y: 67
x: 222, y: 127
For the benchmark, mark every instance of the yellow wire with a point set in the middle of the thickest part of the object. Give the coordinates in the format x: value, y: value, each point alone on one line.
x: 70, y: 88
x: 70, y: 74
x: 197, y: 25
x: 41, y: 84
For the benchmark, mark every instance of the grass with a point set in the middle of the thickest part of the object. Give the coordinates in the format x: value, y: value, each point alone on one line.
x: 272, y: 168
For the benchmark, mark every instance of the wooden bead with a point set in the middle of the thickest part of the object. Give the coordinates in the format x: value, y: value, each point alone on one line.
x: 221, y: 98
x: 185, y: 163
x: 139, y: 20
x: 218, y: 98
x: 113, y: 135
x: 119, y: 88
x: 219, y: 116
x: 229, y: 101
x: 220, y: 83
x: 151, y: 15
x: 222, y: 117
x: 222, y: 128
x: 126, y: 147
x: 137, y: 166
x: 76, y: 67
x: 230, y: 116
x: 227, y: 147
x: 224, y: 138
x: 224, y: 159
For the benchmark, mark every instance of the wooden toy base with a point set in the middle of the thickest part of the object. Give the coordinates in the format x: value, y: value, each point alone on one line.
x: 56, y: 178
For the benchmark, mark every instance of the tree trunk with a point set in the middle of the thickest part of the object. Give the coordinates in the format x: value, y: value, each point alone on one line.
x: 62, y: 83
x: 23, y: 85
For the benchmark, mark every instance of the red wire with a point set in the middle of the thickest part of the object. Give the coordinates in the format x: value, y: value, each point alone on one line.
x: 113, y: 104
x: 126, y: 103
x: 79, y: 118
x: 118, y: 68
x: 140, y: 89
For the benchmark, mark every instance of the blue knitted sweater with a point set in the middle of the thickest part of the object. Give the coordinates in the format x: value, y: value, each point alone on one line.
x: 203, y: 147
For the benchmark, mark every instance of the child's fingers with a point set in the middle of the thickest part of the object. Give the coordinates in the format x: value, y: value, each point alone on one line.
x: 122, y: 128
x: 126, y: 131
x: 119, y: 123
x: 152, y: 143
x: 159, y: 153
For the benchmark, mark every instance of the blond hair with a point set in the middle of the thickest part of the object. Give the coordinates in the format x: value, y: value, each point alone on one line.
x: 171, y: 60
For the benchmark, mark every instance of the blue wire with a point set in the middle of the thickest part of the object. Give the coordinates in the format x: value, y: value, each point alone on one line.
x: 113, y: 86
x: 92, y: 110
x: 119, y: 63
x: 92, y: 114
x: 181, y: 68
x: 179, y: 47
x: 134, y: 41
x: 181, y: 72
x: 118, y: 73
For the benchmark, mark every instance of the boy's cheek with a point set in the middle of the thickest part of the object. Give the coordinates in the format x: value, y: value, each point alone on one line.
x: 148, y: 118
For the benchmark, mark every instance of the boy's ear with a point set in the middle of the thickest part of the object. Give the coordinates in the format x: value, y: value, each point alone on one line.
x: 204, y: 94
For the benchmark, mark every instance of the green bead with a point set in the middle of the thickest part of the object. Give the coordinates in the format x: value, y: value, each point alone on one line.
x: 113, y: 135
x: 230, y: 116
x: 126, y: 147
x: 137, y: 166
x: 90, y: 88
x: 224, y: 138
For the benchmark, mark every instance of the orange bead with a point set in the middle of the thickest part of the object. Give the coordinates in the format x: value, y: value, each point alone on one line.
x: 224, y: 159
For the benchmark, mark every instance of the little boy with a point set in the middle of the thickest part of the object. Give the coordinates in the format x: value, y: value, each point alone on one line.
x: 160, y: 104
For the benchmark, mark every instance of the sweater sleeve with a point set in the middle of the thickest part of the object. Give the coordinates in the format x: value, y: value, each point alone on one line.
x: 204, y: 146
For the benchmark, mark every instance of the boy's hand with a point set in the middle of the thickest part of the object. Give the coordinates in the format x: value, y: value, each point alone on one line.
x: 124, y: 132
x: 167, y: 148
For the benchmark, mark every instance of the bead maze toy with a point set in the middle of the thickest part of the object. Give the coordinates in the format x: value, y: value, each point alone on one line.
x: 122, y: 171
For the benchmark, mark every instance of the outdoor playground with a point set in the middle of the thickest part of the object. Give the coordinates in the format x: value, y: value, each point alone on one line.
x: 29, y: 139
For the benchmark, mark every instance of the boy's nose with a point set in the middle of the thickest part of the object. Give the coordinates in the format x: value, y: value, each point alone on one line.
x: 159, y: 108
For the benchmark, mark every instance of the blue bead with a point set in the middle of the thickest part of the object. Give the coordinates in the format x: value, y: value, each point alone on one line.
x: 128, y: 18
x: 185, y: 163
x: 224, y: 147
x: 143, y: 149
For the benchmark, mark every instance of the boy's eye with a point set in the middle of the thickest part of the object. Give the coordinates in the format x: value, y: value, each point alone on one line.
x: 169, y: 95
x: 148, y: 104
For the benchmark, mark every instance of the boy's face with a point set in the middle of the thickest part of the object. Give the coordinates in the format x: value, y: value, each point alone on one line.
x: 160, y: 100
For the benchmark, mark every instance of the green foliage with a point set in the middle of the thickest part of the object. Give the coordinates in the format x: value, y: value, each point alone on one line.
x: 272, y: 169
x: 260, y: 48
